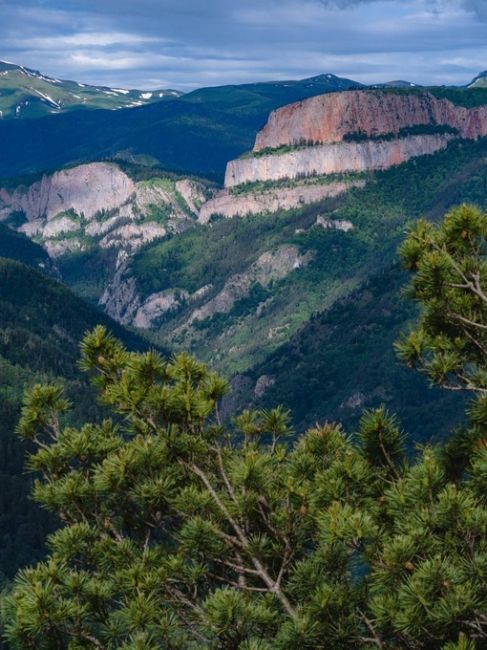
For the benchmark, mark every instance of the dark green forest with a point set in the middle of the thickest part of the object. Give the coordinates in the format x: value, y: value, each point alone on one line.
x: 41, y: 325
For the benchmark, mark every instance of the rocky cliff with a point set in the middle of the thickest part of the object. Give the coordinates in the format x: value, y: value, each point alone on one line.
x: 226, y: 204
x: 330, y: 118
x: 86, y: 189
x: 344, y: 157
x: 353, y: 131
x: 99, y: 205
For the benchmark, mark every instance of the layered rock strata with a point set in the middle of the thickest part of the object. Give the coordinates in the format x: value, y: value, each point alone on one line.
x: 353, y: 131
x: 226, y: 204
x: 336, y: 158
x: 330, y: 118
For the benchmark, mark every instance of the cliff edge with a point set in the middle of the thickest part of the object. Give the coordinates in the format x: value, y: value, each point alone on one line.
x: 330, y: 118
x: 353, y: 131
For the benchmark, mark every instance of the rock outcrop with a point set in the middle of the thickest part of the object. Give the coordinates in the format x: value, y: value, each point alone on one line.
x: 226, y: 204
x: 344, y: 157
x: 158, y: 305
x: 353, y: 131
x: 330, y: 118
x: 271, y: 265
x: 86, y: 189
x: 98, y: 204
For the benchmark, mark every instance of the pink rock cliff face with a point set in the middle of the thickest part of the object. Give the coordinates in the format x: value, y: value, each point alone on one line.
x: 326, y: 121
x: 328, y: 118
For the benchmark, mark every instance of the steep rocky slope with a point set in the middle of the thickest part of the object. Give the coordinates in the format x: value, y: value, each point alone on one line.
x: 354, y: 131
x: 98, y: 211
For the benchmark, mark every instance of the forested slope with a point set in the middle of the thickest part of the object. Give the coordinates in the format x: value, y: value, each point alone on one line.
x: 41, y: 324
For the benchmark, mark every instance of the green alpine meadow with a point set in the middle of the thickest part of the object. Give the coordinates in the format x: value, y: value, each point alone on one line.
x: 243, y: 325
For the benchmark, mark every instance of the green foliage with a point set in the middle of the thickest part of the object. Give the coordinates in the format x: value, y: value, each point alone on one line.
x: 178, y: 533
x: 40, y: 324
x: 467, y: 97
x: 18, y: 247
x: 449, y: 263
x: 309, y: 179
x: 449, y: 342
x: 417, y: 129
x: 345, y: 362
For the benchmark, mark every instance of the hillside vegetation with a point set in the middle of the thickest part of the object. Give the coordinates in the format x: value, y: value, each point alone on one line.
x: 41, y: 323
x: 181, y: 532
x: 28, y: 94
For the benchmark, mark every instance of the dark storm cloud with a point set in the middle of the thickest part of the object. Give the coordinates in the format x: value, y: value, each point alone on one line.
x: 188, y: 43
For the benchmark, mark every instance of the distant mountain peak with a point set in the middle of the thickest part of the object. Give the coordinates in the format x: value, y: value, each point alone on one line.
x: 397, y: 83
x: 27, y: 93
x: 333, y: 79
x: 480, y: 81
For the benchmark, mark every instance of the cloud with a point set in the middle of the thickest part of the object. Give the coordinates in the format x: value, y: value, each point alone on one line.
x: 189, y: 43
x: 479, y: 7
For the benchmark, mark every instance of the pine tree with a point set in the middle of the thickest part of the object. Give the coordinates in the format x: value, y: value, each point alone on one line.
x: 176, y: 531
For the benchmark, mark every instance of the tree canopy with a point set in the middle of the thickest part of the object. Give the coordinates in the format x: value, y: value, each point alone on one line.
x: 179, y: 531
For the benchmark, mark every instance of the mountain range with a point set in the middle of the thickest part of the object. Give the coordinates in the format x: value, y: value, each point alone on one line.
x: 255, y: 226
x: 27, y: 93
x: 311, y: 213
x: 195, y: 133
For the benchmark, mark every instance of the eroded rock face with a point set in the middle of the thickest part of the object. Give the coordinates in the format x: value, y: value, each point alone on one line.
x: 271, y: 265
x: 86, y: 189
x: 158, y: 305
x: 99, y: 205
x: 329, y: 118
x: 337, y: 158
x: 120, y: 299
x: 227, y: 204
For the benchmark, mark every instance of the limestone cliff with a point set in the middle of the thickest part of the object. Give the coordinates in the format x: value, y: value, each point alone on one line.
x: 353, y: 131
x: 333, y: 159
x: 100, y: 205
x: 330, y: 118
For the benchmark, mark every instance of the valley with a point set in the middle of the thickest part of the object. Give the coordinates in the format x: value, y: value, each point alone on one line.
x: 234, y: 275
x: 243, y: 325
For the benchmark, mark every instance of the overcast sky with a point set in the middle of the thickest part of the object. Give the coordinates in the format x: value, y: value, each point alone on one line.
x: 190, y: 43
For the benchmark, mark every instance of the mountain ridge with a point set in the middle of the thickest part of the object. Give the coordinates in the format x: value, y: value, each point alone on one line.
x: 27, y: 93
x: 197, y: 133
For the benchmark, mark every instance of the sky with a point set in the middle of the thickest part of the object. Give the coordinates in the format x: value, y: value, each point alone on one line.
x: 185, y: 44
